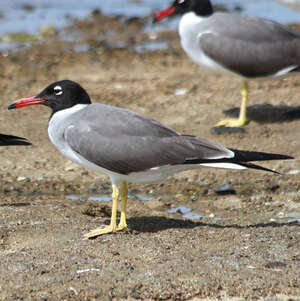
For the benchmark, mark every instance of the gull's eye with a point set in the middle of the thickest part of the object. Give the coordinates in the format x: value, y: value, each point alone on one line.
x: 58, y: 90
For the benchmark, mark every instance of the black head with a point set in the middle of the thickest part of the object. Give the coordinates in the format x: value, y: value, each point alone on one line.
x: 180, y: 7
x: 58, y: 96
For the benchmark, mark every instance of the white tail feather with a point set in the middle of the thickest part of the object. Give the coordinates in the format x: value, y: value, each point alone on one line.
x: 224, y: 165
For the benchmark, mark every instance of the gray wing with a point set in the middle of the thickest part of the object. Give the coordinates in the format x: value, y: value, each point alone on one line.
x: 251, y: 29
x: 251, y: 47
x: 132, y: 142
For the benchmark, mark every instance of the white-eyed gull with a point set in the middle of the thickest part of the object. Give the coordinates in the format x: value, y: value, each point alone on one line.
x: 246, y: 46
x: 127, y: 146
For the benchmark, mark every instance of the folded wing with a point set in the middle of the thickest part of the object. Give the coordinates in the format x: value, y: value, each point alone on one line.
x: 127, y: 142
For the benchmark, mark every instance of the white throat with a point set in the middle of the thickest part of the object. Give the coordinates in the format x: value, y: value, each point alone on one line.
x: 191, y: 28
x: 188, y: 23
x: 59, y: 122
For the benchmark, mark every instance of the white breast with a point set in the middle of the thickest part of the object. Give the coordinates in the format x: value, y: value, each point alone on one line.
x: 56, y: 130
x: 191, y: 28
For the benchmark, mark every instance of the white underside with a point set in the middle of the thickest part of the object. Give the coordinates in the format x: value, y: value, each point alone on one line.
x: 62, y: 120
x: 190, y: 42
x: 283, y: 71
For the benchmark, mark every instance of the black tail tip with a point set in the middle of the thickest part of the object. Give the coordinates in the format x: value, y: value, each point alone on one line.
x: 6, y: 140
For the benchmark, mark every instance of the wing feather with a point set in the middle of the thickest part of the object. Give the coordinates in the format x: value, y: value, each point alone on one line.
x: 132, y: 142
x: 12, y: 140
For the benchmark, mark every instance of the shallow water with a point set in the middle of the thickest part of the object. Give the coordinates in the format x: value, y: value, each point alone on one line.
x: 31, y: 16
x: 285, y: 220
x: 151, y: 46
x: 107, y: 197
x: 188, y: 213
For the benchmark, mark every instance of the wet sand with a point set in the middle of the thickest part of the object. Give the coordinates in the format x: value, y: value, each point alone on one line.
x: 246, y: 246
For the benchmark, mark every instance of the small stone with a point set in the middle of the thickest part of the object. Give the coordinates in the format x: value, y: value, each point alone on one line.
x: 194, y: 197
x: 251, y: 267
x: 181, y: 92
x: 294, y: 172
x: 152, y: 36
x: 272, y: 185
x: 276, y: 265
x: 118, y: 86
x: 70, y: 166
x: 20, y: 179
x: 224, y: 189
x: 180, y: 209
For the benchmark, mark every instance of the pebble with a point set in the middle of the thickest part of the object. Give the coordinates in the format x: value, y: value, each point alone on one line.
x: 194, y: 197
x: 181, y: 92
x: 180, y: 209
x: 152, y: 36
x: 272, y: 185
x: 20, y: 179
x: 118, y: 86
x: 294, y: 172
x: 224, y: 189
x: 276, y: 265
x: 70, y: 166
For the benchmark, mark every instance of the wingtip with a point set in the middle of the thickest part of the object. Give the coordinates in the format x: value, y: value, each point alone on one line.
x: 6, y: 140
x: 248, y: 156
x: 24, y: 142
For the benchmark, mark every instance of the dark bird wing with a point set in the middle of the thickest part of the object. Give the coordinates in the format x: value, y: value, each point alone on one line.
x: 244, y: 158
x: 12, y: 140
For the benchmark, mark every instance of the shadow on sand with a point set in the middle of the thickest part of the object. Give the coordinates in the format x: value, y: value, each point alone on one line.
x: 267, y: 113
x: 159, y: 223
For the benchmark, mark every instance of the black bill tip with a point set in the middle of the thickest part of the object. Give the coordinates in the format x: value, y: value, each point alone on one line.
x: 12, y: 106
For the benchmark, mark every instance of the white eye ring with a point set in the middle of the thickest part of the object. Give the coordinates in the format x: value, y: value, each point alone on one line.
x: 58, y: 90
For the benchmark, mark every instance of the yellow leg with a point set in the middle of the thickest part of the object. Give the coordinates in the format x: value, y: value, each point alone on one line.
x: 122, y: 225
x: 113, y: 220
x: 241, y: 121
